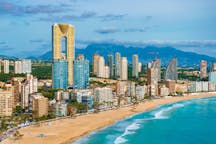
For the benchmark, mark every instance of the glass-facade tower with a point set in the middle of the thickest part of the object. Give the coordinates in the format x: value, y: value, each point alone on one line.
x: 81, y: 74
x: 60, y: 74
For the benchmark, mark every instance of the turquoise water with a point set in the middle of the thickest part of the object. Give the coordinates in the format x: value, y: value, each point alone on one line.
x: 188, y: 122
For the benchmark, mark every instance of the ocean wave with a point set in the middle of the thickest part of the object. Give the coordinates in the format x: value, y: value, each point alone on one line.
x: 161, y: 113
x: 129, y: 130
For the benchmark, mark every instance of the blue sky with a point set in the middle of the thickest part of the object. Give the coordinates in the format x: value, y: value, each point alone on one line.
x: 189, y: 25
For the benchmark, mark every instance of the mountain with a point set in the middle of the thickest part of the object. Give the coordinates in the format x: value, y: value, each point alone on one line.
x: 145, y: 54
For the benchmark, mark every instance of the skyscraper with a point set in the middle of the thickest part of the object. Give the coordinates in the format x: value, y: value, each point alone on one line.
x: 28, y: 87
x: 101, y: 67
x: 81, y: 73
x: 124, y: 68
x: 18, y: 67
x: 152, y: 79
x: 111, y: 65
x: 63, y: 32
x: 6, y: 66
x: 171, y: 72
x: 135, y: 66
x: 203, y: 69
x: 118, y: 65
x: 140, y: 66
x: 157, y: 64
x: 95, y: 63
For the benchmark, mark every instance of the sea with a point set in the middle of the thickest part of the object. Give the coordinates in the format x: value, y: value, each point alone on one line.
x: 186, y: 122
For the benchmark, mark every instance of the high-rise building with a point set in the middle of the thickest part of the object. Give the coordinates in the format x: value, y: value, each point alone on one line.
x: 107, y: 72
x: 28, y: 87
x: 6, y: 66
x: 6, y: 101
x: 135, y: 66
x: 124, y: 69
x: 81, y: 73
x: 171, y: 72
x: 95, y: 63
x: 152, y: 79
x: 18, y: 67
x: 17, y: 91
x: 203, y: 69
x: 157, y: 64
x: 101, y: 67
x: 111, y: 65
x: 63, y: 32
x: 60, y: 74
x: 39, y: 105
x: 117, y: 65
x: 26, y: 66
x: 140, y: 67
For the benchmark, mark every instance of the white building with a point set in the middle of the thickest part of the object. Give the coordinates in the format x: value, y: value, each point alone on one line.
x: 18, y: 67
x: 28, y: 87
x: 26, y: 66
x: 103, y: 96
x: 140, y: 67
x: 140, y: 92
x: 6, y: 66
x: 124, y: 68
x: 164, y: 91
x: 107, y: 72
x: 101, y: 67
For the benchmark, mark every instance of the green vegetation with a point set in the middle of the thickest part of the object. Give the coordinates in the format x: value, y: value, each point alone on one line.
x: 5, y: 77
x: 48, y: 92
x: 42, y: 71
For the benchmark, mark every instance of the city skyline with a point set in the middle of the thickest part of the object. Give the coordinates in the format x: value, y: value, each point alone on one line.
x: 161, y: 23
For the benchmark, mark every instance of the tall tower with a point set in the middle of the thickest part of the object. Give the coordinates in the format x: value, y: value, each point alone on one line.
x: 203, y: 69
x: 171, y: 70
x: 124, y: 69
x: 135, y: 66
x: 111, y: 65
x: 118, y: 65
x: 65, y: 32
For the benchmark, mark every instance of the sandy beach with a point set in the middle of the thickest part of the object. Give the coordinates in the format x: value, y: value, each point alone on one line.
x: 64, y: 131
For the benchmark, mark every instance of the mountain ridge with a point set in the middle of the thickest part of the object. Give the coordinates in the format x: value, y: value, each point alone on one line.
x: 146, y: 54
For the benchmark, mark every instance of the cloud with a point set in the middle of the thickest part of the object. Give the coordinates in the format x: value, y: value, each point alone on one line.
x: 9, y: 8
x: 145, y: 29
x: 36, y: 41
x: 112, y: 17
x: 2, y: 43
x: 107, y: 30
x: 83, y: 16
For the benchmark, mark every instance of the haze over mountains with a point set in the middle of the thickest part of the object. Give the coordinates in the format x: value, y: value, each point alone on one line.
x: 145, y: 54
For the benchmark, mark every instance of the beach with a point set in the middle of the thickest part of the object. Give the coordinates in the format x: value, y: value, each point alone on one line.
x: 67, y: 130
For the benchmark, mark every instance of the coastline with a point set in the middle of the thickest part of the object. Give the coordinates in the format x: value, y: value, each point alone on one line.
x: 69, y: 130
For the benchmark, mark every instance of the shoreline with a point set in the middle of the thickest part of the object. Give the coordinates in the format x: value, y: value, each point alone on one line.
x: 69, y: 130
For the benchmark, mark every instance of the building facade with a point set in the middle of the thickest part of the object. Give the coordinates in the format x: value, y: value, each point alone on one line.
x: 63, y: 32
x: 81, y: 73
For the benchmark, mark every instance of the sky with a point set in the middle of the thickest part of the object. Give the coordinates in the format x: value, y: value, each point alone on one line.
x: 189, y: 25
